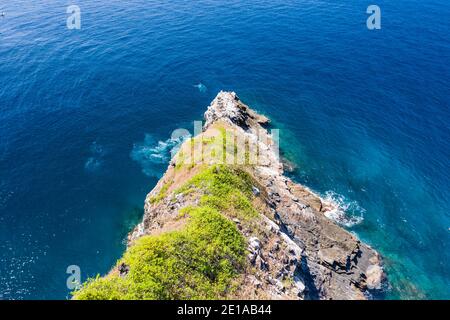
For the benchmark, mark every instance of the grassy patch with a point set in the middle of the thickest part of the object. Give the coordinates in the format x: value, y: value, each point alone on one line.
x: 161, y: 194
x: 198, y: 262
x: 203, y: 149
x: 226, y: 188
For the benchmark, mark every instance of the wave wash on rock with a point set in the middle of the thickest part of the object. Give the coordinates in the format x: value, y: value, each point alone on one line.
x: 236, y: 230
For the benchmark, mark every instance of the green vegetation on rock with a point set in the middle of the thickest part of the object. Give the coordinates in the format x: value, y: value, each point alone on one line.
x: 162, y: 193
x: 200, y: 261
x: 197, y: 262
x: 225, y: 188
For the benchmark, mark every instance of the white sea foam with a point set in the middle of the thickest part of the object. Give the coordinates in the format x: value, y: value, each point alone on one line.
x: 151, y: 153
x: 342, y: 210
x: 97, y: 149
x: 201, y: 87
x: 94, y: 162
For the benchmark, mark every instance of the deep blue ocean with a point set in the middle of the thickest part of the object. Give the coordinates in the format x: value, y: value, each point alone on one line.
x: 86, y: 116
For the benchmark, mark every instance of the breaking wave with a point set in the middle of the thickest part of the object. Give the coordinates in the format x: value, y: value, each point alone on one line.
x: 342, y: 210
x: 153, y: 155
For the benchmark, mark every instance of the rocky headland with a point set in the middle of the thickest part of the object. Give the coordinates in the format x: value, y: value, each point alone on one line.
x: 224, y: 222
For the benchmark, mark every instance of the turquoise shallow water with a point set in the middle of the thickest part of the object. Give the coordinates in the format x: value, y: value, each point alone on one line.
x: 85, y: 118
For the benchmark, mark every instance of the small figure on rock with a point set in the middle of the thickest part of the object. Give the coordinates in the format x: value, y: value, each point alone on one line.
x: 123, y: 269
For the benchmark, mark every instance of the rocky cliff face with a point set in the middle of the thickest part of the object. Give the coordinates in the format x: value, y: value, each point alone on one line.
x: 293, y: 251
